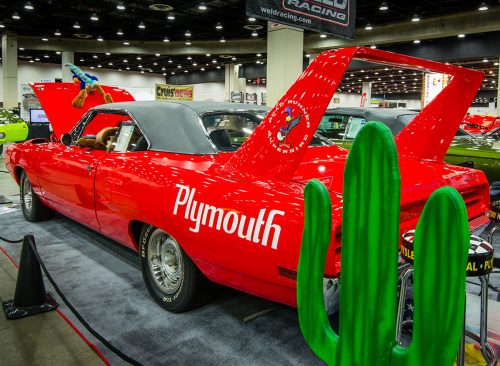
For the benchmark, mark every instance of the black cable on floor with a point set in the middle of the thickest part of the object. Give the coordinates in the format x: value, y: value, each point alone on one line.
x: 4, y: 171
x: 11, y: 241
x: 112, y: 348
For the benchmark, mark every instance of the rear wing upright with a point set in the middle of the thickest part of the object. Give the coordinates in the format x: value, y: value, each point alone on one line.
x: 277, y: 146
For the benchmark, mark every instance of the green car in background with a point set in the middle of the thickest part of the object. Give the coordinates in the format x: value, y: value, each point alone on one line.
x: 12, y: 128
x: 482, y: 152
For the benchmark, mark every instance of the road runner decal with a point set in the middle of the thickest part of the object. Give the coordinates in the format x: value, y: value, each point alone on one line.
x: 227, y: 220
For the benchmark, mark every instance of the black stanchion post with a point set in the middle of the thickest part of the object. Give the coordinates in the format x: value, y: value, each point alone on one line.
x: 30, y: 297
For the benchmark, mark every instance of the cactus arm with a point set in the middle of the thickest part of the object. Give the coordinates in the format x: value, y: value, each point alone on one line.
x: 441, y: 248
x: 315, y: 240
x: 370, y: 234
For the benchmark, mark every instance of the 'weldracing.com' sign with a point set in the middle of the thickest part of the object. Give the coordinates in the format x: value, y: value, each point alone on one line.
x: 326, y: 16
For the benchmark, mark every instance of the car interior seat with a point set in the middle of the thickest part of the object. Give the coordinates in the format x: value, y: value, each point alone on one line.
x: 221, y: 139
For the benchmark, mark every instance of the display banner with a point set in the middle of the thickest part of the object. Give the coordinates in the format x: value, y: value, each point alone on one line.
x: 336, y: 17
x: 29, y: 101
x: 237, y: 97
x: 173, y: 92
x: 432, y: 85
x: 251, y: 98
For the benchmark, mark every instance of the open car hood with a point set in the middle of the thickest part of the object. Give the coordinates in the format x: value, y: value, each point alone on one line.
x: 56, y: 99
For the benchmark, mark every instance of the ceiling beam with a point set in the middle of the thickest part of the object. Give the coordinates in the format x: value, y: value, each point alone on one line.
x: 432, y: 28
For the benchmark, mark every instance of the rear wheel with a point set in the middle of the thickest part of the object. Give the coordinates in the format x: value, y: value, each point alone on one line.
x: 33, y: 209
x: 171, y: 277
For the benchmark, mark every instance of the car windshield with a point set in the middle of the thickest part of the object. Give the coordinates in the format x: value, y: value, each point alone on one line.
x: 229, y: 130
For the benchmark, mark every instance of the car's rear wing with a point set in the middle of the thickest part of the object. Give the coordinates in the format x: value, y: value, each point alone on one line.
x: 56, y: 99
x: 279, y: 143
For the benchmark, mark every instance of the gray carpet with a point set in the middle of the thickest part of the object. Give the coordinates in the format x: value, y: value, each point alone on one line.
x: 103, y: 281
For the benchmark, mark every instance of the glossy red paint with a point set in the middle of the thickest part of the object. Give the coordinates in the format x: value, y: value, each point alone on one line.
x: 56, y: 100
x: 479, y: 123
x: 255, y: 195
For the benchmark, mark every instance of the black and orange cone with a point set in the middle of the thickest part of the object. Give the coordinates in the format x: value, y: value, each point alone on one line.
x: 30, y: 297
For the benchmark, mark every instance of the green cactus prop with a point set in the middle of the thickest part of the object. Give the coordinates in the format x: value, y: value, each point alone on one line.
x: 370, y: 237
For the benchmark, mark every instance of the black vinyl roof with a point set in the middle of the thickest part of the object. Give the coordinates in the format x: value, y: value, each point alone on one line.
x: 176, y: 126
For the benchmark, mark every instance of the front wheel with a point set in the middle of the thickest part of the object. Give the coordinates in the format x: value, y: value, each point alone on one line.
x: 33, y: 209
x: 171, y: 277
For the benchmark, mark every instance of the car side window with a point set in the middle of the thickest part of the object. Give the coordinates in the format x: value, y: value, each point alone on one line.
x: 129, y: 138
x: 100, y: 131
x: 229, y: 131
x: 354, y: 126
x: 333, y: 126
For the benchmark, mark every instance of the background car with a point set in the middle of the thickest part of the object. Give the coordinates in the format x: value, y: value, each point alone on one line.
x: 480, y: 123
x: 12, y: 128
x: 342, y: 124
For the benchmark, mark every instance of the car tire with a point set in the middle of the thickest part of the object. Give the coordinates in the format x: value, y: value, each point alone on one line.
x: 33, y: 209
x: 171, y: 277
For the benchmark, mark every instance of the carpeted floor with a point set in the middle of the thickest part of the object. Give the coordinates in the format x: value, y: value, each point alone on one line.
x: 103, y: 281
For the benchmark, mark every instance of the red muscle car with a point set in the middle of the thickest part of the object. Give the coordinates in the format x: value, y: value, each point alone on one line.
x: 171, y: 181
x: 479, y: 123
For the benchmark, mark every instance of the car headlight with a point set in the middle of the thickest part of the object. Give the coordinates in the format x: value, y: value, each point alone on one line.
x: 2, y: 135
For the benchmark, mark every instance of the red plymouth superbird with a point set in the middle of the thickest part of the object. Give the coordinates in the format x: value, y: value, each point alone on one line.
x: 170, y: 179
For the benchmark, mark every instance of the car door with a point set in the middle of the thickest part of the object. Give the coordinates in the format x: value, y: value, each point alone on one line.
x: 67, y: 174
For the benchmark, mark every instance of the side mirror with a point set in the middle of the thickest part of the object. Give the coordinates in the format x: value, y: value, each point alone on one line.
x: 66, y: 139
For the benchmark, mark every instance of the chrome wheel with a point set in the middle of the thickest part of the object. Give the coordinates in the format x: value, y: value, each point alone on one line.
x: 27, y: 195
x: 165, y: 262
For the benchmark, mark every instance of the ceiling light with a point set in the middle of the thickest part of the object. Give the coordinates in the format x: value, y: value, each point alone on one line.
x: 187, y: 43
x: 57, y: 32
x: 187, y: 34
x: 485, y: 60
x: 202, y: 6
x: 171, y: 17
x: 373, y: 46
x: 252, y: 19
x: 58, y: 52
x: 94, y: 17
x: 127, y: 68
x: 142, y: 71
x: 202, y: 69
x: 218, y: 26
x: 141, y: 25
x: 383, y: 7
x: 214, y: 61
x: 126, y: 43
x: 2, y: 25
x: 138, y: 58
x: 139, y: 66
x: 45, y: 39
x: 254, y: 34
x: 166, y: 39
x: 461, y: 36
x: 186, y: 71
x: 76, y: 25
x: 164, y: 73
x: 110, y: 63
x: 483, y: 7
x: 125, y: 60
x: 119, y: 32
x: 120, y: 6
x: 46, y: 56
x: 415, y: 18
x: 496, y: 63
x: 29, y: 6
x: 157, y: 54
x: 233, y: 58
x: 37, y: 59
x: 99, y: 39
x: 222, y: 40
x: 179, y: 66
x: 417, y: 41
x: 208, y: 55
x: 169, y: 61
x: 16, y: 16
x: 322, y: 36
x: 189, y: 58
x: 81, y: 59
x: 259, y: 55
x: 218, y: 67
x: 172, y: 73
x: 155, y: 63
x: 95, y: 56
